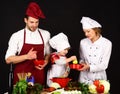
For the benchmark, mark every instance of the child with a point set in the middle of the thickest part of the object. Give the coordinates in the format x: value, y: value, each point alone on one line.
x: 59, y: 61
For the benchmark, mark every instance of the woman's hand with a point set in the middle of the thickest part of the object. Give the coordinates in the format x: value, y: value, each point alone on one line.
x: 85, y: 67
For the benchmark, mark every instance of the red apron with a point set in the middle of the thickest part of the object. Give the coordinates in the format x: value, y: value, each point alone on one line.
x: 28, y: 65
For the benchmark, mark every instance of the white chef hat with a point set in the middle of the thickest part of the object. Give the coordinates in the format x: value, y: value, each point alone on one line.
x: 88, y: 23
x: 59, y: 42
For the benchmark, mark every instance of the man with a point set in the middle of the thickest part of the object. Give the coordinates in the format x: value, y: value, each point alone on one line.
x: 29, y: 45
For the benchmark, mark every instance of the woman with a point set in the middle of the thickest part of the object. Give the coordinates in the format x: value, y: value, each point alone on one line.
x: 95, y: 51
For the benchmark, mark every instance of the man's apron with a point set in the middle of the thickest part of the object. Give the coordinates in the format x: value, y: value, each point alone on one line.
x: 28, y: 65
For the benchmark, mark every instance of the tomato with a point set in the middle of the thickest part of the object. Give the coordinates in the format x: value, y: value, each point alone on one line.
x: 50, y: 89
x: 100, y: 88
x: 96, y: 82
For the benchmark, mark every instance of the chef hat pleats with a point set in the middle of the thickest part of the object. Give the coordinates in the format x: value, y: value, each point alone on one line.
x: 88, y: 23
x: 34, y: 11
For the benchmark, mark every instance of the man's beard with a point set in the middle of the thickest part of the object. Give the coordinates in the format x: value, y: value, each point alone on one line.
x: 31, y: 29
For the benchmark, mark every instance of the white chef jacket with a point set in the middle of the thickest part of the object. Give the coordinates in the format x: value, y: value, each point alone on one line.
x: 16, y: 41
x: 97, y: 55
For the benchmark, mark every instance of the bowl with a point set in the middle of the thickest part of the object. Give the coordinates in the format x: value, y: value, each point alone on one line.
x: 76, y: 66
x: 61, y: 81
x: 38, y: 62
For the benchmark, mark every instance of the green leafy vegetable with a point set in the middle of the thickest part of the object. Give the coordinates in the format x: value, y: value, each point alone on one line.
x: 22, y: 87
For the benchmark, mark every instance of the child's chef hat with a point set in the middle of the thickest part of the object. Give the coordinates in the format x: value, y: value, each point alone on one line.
x: 59, y: 42
x: 88, y: 23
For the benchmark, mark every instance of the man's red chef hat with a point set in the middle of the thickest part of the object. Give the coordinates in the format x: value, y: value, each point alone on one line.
x: 34, y: 11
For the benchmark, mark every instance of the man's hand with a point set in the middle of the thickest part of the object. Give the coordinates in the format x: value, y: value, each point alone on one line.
x: 40, y: 67
x: 32, y: 54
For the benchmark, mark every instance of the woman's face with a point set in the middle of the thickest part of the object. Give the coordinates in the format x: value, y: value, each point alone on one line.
x: 31, y: 23
x: 90, y: 33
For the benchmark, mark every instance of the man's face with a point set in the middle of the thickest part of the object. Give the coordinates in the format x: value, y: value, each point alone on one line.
x: 31, y: 23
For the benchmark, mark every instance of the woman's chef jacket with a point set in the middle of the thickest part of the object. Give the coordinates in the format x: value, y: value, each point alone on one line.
x: 97, y: 55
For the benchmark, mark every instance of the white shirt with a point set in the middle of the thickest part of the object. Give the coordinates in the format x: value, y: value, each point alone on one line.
x: 97, y: 55
x: 16, y: 41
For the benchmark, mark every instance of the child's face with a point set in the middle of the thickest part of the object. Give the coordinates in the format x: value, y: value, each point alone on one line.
x: 64, y: 52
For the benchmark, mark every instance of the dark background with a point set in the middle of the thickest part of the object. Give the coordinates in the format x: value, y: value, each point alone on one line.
x: 62, y: 16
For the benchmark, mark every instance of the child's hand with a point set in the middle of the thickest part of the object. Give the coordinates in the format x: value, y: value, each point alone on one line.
x: 54, y: 57
x: 73, y: 58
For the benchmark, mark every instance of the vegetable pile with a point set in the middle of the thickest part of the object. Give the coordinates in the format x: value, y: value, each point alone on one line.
x: 99, y: 86
x: 22, y: 87
x: 26, y: 85
x: 74, y: 87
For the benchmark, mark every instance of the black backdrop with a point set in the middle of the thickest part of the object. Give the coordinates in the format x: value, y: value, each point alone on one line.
x: 62, y: 16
